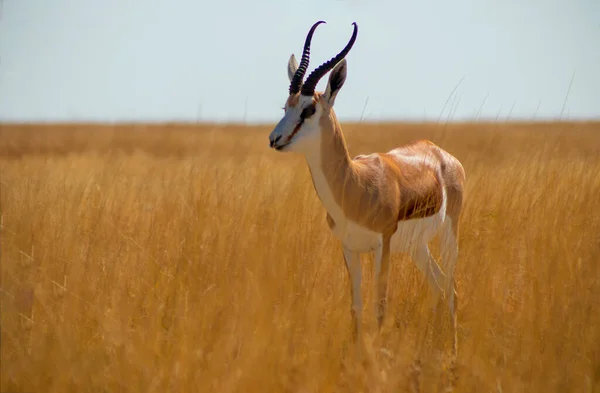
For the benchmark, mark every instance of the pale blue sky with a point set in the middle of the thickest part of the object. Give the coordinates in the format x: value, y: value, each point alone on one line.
x: 110, y: 60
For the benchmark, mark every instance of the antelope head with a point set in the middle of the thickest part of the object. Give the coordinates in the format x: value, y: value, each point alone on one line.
x: 300, y: 127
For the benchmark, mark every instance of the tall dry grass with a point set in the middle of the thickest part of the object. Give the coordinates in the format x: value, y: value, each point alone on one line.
x: 188, y: 258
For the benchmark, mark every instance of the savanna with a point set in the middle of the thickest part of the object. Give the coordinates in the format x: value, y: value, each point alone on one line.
x: 192, y: 258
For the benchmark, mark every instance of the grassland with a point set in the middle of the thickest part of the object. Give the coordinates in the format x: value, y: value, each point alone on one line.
x: 182, y: 258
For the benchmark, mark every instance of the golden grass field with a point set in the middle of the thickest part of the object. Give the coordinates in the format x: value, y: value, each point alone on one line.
x: 188, y: 258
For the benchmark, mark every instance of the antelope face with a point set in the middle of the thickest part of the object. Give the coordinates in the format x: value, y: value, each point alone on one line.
x: 298, y: 130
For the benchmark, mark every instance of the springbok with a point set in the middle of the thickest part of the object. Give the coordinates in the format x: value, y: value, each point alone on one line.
x: 383, y: 202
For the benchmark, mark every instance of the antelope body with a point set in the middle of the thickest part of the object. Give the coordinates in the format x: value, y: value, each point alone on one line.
x: 396, y: 201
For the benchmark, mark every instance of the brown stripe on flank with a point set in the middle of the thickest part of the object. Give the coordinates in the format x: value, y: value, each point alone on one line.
x: 424, y: 196
x: 420, y: 208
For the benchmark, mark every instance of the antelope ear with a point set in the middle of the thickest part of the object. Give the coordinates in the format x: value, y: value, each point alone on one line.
x: 292, y: 66
x: 336, y: 81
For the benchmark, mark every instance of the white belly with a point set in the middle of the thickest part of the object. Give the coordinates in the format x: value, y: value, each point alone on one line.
x: 356, y: 237
x: 409, y: 235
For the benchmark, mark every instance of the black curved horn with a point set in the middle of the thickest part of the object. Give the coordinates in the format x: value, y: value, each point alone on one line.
x: 296, y: 82
x: 308, y: 89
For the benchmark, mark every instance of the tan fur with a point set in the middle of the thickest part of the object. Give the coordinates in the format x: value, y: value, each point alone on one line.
x: 378, y: 190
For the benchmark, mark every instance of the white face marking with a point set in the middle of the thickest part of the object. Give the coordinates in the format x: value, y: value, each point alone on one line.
x: 286, y: 136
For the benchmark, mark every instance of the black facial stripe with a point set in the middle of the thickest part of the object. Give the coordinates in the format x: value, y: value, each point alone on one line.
x: 308, y: 112
x: 305, y: 114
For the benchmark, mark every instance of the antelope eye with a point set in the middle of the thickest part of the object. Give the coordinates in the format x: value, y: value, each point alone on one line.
x: 308, y: 112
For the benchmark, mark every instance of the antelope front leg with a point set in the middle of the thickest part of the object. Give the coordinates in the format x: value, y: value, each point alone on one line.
x: 352, y: 259
x: 382, y: 264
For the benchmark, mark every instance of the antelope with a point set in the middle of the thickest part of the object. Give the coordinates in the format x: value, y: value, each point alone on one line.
x: 393, y: 202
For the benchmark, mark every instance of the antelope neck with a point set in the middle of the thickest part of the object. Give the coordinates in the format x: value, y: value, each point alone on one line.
x: 329, y: 163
